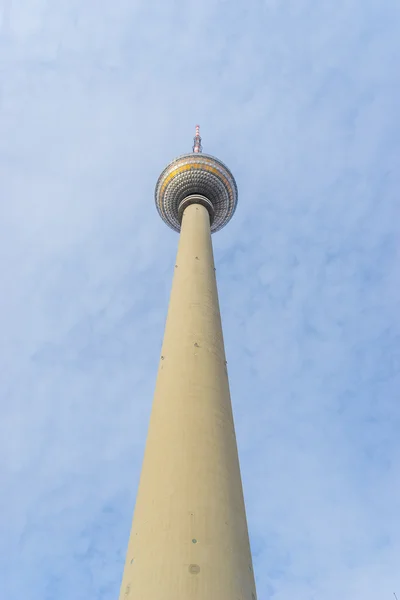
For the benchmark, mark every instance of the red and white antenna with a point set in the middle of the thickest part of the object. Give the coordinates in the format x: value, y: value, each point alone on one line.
x: 197, y: 147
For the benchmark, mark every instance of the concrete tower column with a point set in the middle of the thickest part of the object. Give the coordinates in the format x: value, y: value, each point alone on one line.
x: 189, y: 538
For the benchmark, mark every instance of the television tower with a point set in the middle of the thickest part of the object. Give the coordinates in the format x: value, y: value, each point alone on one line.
x: 189, y: 537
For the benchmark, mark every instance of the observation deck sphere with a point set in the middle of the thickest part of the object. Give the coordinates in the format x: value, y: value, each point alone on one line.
x: 196, y: 174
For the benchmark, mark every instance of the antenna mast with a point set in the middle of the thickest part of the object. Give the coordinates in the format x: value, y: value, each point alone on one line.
x: 197, y: 147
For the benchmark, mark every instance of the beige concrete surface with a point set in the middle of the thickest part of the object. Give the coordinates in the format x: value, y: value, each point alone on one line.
x: 189, y: 538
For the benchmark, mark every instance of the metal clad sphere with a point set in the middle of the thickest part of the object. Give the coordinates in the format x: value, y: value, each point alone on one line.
x: 196, y: 174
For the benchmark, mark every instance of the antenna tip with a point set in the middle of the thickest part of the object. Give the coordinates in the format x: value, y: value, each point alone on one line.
x: 197, y: 147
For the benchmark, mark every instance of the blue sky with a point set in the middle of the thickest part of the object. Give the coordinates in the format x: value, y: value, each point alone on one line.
x: 301, y: 100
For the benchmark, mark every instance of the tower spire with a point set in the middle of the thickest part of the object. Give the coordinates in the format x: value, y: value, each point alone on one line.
x: 197, y: 147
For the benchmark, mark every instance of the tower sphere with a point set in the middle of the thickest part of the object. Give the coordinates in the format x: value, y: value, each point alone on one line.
x: 196, y: 177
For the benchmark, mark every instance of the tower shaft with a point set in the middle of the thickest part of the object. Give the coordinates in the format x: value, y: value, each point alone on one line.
x: 189, y: 538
